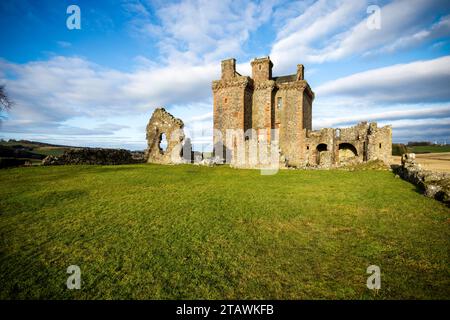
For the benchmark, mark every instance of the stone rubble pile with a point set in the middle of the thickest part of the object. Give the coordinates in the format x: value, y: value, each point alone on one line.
x: 434, y: 184
x: 91, y: 156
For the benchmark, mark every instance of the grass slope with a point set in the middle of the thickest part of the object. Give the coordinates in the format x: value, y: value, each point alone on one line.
x: 157, y: 232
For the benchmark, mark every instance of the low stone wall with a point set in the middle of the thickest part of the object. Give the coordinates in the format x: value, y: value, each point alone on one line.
x: 434, y: 184
x: 91, y: 156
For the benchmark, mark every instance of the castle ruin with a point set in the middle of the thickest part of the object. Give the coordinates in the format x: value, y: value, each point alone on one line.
x: 275, y: 114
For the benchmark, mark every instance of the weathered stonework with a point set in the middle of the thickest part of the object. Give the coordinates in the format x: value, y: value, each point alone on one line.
x: 433, y: 184
x: 333, y: 147
x: 163, y: 123
x: 99, y: 156
x: 277, y: 111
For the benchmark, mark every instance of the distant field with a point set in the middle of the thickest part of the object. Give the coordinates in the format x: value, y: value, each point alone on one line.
x: 16, y: 153
x: 429, y: 149
x: 50, y: 151
x: 431, y: 161
x: 171, y: 232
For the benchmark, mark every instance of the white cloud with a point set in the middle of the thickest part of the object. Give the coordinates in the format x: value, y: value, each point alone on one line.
x: 299, y: 36
x: 63, y: 86
x: 419, y: 81
x: 203, y: 117
x: 200, y: 31
x: 329, y: 31
x: 437, y: 30
x: 395, y: 113
x: 64, y: 44
x: 49, y: 94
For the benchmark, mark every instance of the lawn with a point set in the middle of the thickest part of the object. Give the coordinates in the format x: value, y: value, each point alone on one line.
x: 172, y: 232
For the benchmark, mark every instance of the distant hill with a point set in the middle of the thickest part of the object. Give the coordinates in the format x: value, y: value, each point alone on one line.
x: 31, y: 144
x: 19, y: 152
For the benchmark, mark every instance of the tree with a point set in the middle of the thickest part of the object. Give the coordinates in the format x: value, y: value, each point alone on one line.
x: 5, y: 102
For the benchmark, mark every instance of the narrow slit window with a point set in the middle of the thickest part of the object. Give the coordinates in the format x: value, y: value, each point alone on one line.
x: 279, y: 103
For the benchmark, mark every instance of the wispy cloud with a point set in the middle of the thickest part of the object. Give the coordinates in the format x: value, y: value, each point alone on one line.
x: 419, y: 81
x: 332, y: 30
x: 64, y: 44
x: 200, y: 31
x: 387, y: 116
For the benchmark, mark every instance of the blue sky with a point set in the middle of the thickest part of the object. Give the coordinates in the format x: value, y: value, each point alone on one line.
x: 99, y: 85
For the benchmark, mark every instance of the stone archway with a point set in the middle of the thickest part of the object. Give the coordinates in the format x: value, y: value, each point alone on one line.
x: 163, y: 125
x: 321, y: 153
x: 347, y: 152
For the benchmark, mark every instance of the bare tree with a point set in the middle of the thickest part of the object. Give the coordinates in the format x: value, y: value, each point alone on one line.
x: 5, y: 102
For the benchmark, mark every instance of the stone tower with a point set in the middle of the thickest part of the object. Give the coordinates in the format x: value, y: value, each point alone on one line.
x: 263, y: 102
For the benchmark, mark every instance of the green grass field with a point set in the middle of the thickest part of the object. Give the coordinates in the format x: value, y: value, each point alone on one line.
x: 164, y: 232
x: 429, y: 149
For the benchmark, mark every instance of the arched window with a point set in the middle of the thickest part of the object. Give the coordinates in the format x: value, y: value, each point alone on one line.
x: 322, y: 147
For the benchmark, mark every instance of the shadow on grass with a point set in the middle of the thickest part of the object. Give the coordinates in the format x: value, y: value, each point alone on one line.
x: 54, y: 198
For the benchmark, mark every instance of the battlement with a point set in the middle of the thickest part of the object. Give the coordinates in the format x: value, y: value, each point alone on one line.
x: 280, y: 109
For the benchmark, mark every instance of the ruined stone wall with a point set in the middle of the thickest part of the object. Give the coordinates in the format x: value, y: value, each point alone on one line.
x: 379, y: 143
x: 349, y: 145
x: 433, y: 184
x: 320, y: 148
x: 161, y: 123
x: 98, y: 156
